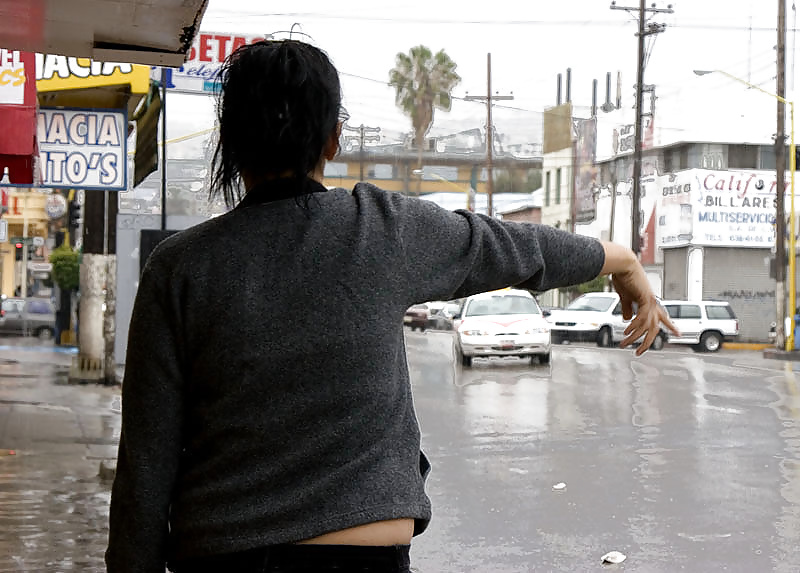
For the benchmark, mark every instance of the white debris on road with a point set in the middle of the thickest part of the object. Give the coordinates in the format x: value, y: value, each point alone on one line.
x: 613, y: 558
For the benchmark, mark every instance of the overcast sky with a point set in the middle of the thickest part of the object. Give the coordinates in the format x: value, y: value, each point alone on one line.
x: 531, y: 42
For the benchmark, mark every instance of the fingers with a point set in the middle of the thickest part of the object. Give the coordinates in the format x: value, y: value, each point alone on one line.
x: 665, y: 320
x: 647, y: 325
x: 648, y: 341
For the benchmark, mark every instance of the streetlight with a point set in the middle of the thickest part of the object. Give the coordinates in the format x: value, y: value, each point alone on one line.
x: 469, y: 191
x: 792, y: 168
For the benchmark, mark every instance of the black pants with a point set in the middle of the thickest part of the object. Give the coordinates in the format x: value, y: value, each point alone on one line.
x: 303, y: 559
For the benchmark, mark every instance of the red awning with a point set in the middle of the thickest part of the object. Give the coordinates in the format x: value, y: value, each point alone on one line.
x: 18, y: 111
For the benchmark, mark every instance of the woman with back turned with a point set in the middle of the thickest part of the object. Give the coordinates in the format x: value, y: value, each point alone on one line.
x: 267, y: 418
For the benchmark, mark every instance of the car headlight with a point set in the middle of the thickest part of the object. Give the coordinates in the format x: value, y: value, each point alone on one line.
x: 474, y: 333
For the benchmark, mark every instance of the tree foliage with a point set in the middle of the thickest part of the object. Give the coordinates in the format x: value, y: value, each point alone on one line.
x: 597, y: 284
x: 66, y: 267
x: 423, y: 81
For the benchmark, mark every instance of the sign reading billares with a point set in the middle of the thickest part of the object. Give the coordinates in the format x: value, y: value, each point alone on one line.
x: 84, y: 149
x: 200, y: 72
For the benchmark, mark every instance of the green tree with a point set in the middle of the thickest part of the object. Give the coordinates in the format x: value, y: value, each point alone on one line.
x: 423, y: 81
x: 534, y: 180
x: 66, y: 268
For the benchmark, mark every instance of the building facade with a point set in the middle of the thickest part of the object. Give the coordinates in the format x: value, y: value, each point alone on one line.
x: 708, y: 198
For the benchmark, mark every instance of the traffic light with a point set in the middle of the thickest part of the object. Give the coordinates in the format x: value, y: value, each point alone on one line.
x: 18, y: 250
x: 74, y: 215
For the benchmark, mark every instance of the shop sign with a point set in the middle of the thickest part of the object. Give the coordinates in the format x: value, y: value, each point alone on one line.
x: 12, y: 78
x: 200, y: 72
x: 55, y: 206
x: 83, y: 148
x: 56, y: 73
x: 40, y: 267
x: 718, y: 208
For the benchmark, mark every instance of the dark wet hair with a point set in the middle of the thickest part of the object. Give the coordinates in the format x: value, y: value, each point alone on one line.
x: 279, y: 103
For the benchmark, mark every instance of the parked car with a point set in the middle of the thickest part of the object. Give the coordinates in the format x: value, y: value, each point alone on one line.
x: 594, y: 317
x: 441, y: 317
x: 503, y: 323
x: 28, y: 316
x: 704, y: 325
x: 417, y: 316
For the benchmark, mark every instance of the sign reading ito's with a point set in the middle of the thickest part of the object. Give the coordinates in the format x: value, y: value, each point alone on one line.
x: 82, y: 148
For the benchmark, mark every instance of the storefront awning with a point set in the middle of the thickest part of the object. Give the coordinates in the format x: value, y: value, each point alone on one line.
x: 152, y: 32
x: 18, y: 146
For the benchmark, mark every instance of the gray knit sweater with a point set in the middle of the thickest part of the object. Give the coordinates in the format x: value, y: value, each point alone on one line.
x: 266, y: 396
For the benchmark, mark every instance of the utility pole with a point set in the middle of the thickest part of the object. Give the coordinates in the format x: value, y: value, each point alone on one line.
x: 780, y: 177
x: 362, y: 139
x: 644, y: 31
x: 489, y: 99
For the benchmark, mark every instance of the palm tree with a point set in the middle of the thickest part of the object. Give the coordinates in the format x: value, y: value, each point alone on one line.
x: 423, y: 81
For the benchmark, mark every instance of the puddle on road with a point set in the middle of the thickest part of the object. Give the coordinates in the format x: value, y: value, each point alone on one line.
x: 58, y: 526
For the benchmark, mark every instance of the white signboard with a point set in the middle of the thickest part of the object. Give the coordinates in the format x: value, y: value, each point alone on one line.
x: 3, y: 230
x: 717, y: 208
x: 199, y: 73
x: 12, y: 78
x: 83, y: 148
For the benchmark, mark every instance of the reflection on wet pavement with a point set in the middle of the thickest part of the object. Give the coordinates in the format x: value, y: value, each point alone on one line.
x: 680, y: 461
x: 53, y: 506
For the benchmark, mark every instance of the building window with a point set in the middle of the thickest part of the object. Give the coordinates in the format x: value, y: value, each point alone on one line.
x: 547, y: 189
x: 336, y: 169
x: 742, y: 157
x: 558, y: 186
x: 767, y: 158
x: 708, y: 156
x: 381, y: 171
x: 439, y: 172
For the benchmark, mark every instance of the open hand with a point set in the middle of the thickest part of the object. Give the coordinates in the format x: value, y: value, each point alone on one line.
x: 633, y: 287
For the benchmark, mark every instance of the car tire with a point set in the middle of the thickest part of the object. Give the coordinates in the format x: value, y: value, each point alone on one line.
x: 711, y: 341
x: 466, y: 361
x: 604, y: 337
x: 658, y: 342
x: 544, y: 358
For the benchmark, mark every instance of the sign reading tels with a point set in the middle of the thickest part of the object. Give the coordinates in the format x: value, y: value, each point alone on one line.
x: 86, y: 149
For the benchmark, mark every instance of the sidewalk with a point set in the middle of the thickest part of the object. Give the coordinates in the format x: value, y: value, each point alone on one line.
x: 53, y: 436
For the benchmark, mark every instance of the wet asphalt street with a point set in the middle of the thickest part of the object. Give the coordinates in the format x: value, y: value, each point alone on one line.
x: 683, y: 462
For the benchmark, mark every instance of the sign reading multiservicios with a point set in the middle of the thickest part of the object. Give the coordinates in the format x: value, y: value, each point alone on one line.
x: 717, y: 208
x: 83, y: 148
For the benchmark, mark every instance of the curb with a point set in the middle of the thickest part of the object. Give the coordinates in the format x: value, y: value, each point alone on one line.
x: 746, y: 346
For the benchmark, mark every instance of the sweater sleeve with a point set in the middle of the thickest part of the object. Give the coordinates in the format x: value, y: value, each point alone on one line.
x: 452, y: 254
x: 150, y: 442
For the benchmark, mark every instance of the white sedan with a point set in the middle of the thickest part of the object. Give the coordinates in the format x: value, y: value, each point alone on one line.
x: 503, y: 323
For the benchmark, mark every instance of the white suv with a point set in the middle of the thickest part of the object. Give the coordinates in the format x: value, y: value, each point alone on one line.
x: 704, y: 324
x: 503, y: 323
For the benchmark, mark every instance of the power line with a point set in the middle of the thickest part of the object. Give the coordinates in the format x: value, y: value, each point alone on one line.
x: 508, y: 22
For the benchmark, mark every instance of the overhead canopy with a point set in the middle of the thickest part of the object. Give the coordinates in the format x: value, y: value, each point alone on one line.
x: 152, y: 32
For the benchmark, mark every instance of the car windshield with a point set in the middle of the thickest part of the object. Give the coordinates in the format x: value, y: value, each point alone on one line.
x: 502, y: 305
x: 593, y: 303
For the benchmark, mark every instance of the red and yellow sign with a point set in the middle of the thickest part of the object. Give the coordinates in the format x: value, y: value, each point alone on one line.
x: 57, y: 73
